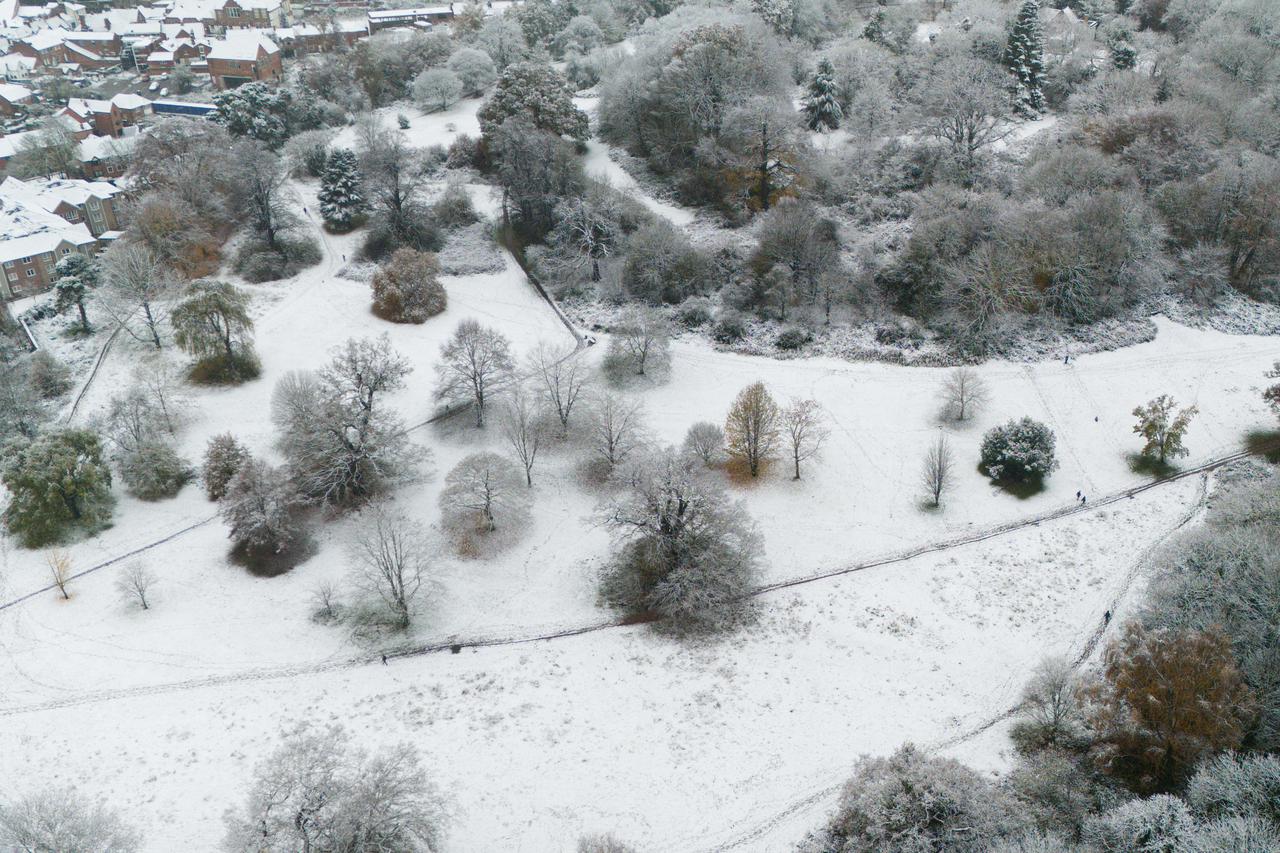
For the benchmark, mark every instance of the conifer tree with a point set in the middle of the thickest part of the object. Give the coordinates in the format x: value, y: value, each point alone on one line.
x: 1024, y: 57
x: 822, y: 102
x: 341, y: 201
x: 77, y: 275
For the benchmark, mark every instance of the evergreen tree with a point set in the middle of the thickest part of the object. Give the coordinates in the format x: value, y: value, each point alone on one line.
x: 341, y: 202
x: 55, y: 480
x: 822, y: 102
x: 1024, y: 57
x: 77, y: 275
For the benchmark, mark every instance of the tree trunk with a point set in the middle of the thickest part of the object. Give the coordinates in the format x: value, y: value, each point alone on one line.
x: 595, y: 269
x: 151, y: 324
x: 84, y: 318
x: 797, y: 459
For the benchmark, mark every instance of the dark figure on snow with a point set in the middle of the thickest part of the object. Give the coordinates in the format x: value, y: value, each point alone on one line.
x: 384, y: 660
x: 1106, y: 618
x: 1084, y: 499
x: 1077, y: 494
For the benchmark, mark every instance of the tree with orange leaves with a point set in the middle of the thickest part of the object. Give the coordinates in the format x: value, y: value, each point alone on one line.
x: 1164, y: 700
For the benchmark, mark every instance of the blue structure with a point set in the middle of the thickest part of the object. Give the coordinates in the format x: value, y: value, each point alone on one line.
x: 182, y: 108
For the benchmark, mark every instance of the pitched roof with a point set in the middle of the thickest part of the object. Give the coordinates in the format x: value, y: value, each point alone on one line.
x: 242, y: 46
x: 45, y: 39
x: 30, y: 230
x: 14, y: 94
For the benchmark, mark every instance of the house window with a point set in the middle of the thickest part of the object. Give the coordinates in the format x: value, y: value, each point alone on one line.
x: 13, y: 276
x: 8, y: 265
x: 233, y: 13
x: 31, y: 273
x: 66, y: 251
x: 47, y: 256
x: 27, y: 259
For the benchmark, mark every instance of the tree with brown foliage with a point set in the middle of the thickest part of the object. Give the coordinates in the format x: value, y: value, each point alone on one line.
x: 753, y: 428
x: 1166, y: 699
x: 407, y: 289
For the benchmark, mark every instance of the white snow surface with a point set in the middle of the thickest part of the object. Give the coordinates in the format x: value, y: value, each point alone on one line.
x: 673, y: 745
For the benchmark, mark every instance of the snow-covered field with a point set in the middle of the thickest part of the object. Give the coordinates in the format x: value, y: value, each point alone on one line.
x: 727, y: 744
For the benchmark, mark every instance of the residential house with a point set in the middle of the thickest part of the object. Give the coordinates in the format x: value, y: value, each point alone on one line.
x: 107, y: 44
x: 77, y: 201
x: 301, y: 39
x: 46, y: 47
x: 105, y: 156
x: 262, y: 14
x: 244, y: 57
x: 110, y: 118
x: 15, y: 66
x: 12, y: 97
x: 32, y: 241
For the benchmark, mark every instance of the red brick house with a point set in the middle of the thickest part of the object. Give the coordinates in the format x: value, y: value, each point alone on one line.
x: 46, y: 47
x: 13, y: 97
x: 91, y: 203
x: 244, y: 58
x: 263, y: 14
x: 110, y: 118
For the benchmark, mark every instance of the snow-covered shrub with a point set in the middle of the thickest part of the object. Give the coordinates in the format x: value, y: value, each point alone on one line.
x: 484, y: 502
x: 683, y: 549
x: 154, y: 471
x: 454, y: 208
x: 730, y: 328
x: 793, y: 338
x: 694, y: 312
x: 317, y: 786
x: 49, y: 377
x: 910, y: 802
x: 1237, y: 785
x: 464, y: 152
x: 1153, y: 825
x: 257, y: 262
x: 64, y: 821
x: 1050, y: 715
x: 606, y: 843
x: 407, y: 289
x: 436, y: 89
x: 222, y: 459
x: 307, y: 153
x: 662, y: 266
x: 1232, y: 835
x: 1018, y: 451
x: 1058, y: 791
x: 259, y: 510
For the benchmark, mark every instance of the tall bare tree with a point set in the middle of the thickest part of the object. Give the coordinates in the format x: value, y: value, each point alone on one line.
x: 524, y: 425
x: 804, y: 429
x: 392, y: 556
x: 473, y: 362
x: 136, y: 279
x: 483, y: 486
x: 563, y: 379
x: 963, y: 393
x: 135, y: 582
x: 936, y: 474
x: 616, y: 429
x: 640, y: 343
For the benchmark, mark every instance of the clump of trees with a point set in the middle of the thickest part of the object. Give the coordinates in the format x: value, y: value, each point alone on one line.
x: 64, y: 820
x: 407, y: 288
x: 683, y: 550
x: 1018, y: 452
x: 318, y: 791
x: 260, y: 508
x: 223, y: 457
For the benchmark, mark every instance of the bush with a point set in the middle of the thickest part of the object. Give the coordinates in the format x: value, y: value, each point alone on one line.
x: 464, y: 153
x: 242, y: 367
x: 1018, y: 451
x: 408, y: 289
x: 1237, y: 785
x: 48, y: 377
x: 454, y: 208
x: 694, y: 312
x: 793, y: 338
x: 414, y: 232
x: 662, y: 266
x: 729, y: 329
x: 911, y: 802
x: 222, y: 459
x: 55, y: 481
x: 154, y: 471
x: 1153, y: 825
x: 257, y: 262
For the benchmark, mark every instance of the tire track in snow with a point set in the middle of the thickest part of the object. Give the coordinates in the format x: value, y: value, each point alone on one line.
x: 456, y: 644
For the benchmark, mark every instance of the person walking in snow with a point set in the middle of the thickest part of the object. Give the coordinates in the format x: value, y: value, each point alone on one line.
x: 384, y: 660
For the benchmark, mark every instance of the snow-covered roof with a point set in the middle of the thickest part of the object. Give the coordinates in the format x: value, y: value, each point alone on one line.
x: 88, y: 106
x: 242, y: 46
x: 29, y: 230
x: 258, y: 4
x: 80, y: 35
x: 395, y: 14
x: 13, y: 94
x: 83, y: 52
x: 106, y: 147
x: 130, y: 101
x: 47, y: 193
x: 13, y: 62
x: 160, y: 56
x: 8, y: 10
x: 45, y: 39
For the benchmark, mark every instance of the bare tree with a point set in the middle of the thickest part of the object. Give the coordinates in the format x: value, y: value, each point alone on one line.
x: 391, y: 552
x: 258, y: 508
x: 1051, y: 713
x: 59, y: 563
x: 163, y: 385
x: 136, y: 279
x: 135, y: 581
x: 325, y: 596
x: 616, y: 429
x: 964, y: 393
x: 640, y: 343
x: 482, y: 486
x: 752, y: 430
x: 524, y: 426
x: 563, y: 379
x: 263, y: 190
x: 472, y: 363
x: 804, y: 428
x: 966, y: 105
x: 936, y: 475
x: 705, y: 440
